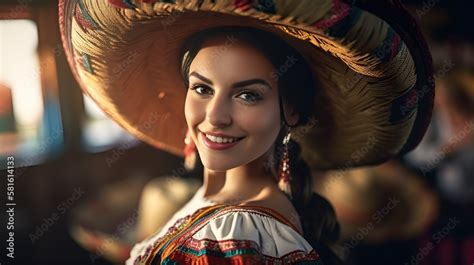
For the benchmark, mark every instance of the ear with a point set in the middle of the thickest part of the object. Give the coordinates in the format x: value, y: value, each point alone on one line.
x: 291, y: 116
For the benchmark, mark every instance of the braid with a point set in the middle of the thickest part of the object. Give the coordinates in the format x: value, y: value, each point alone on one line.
x: 318, y: 219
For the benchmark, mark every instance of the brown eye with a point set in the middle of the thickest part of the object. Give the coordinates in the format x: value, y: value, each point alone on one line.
x: 202, y: 90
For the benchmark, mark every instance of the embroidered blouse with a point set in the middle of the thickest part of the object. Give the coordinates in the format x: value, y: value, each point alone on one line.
x: 205, y: 232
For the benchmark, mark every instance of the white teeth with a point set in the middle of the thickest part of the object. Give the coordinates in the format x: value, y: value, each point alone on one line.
x: 220, y: 140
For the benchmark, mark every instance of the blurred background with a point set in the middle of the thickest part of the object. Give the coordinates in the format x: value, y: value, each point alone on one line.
x: 81, y: 182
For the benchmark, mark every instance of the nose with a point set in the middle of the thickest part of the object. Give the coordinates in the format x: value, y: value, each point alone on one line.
x: 219, y: 112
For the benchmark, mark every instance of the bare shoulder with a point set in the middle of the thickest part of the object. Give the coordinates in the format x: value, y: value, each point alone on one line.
x: 278, y: 202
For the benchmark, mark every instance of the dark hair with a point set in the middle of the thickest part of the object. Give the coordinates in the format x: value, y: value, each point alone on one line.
x: 296, y: 85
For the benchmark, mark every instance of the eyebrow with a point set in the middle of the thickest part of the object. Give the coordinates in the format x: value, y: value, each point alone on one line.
x: 235, y: 85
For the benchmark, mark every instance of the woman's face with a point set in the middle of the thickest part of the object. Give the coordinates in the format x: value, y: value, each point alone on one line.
x: 231, y: 93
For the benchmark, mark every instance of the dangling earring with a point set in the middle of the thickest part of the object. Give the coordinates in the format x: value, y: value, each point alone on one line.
x: 284, y: 170
x: 189, y: 153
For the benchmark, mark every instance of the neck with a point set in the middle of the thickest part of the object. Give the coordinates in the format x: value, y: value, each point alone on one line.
x: 238, y: 184
x: 213, y: 181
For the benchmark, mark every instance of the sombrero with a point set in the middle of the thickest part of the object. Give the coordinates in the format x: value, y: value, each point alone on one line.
x: 372, y: 66
x: 130, y: 210
x: 375, y: 204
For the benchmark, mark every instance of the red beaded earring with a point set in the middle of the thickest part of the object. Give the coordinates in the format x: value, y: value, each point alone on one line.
x: 189, y: 152
x: 284, y: 169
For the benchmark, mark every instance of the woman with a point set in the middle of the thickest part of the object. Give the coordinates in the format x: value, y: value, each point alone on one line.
x: 253, y: 74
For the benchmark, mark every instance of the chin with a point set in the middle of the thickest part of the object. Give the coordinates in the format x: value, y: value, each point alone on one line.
x: 218, y: 165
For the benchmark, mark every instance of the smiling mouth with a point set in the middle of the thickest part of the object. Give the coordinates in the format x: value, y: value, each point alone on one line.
x: 219, y: 137
x: 221, y: 140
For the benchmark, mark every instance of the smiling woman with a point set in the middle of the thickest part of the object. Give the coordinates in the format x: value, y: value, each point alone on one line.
x: 234, y: 101
x: 233, y: 121
x: 238, y: 79
x: 258, y: 122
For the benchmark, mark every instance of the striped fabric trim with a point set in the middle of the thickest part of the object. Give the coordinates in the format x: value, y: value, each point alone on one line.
x: 243, y: 5
x: 165, y: 243
x: 339, y: 11
x: 87, y: 63
x: 403, y: 106
x: 122, y: 4
x: 208, y: 251
x: 171, y: 242
x: 340, y: 29
x: 83, y: 18
x: 390, y: 46
x: 83, y: 59
x: 345, y: 17
x: 221, y: 249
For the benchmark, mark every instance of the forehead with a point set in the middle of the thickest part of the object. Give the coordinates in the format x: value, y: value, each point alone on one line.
x: 224, y: 57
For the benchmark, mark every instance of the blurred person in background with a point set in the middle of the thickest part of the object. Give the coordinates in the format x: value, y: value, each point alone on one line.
x: 446, y: 158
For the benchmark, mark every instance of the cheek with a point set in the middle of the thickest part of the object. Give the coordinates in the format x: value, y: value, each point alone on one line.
x: 263, y: 124
x: 187, y: 109
x: 192, y: 116
x: 191, y: 111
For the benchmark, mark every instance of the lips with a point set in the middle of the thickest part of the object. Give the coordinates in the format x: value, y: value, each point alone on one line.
x: 219, y: 142
x: 220, y: 139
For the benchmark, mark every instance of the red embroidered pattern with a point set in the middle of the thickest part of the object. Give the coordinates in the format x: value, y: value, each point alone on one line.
x: 178, y: 245
x: 179, y: 224
x: 207, y: 251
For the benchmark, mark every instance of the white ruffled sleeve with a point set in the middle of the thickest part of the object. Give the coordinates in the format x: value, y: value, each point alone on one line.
x: 243, y: 233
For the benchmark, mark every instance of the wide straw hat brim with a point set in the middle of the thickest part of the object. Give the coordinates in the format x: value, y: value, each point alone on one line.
x: 374, y: 96
x: 376, y: 204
